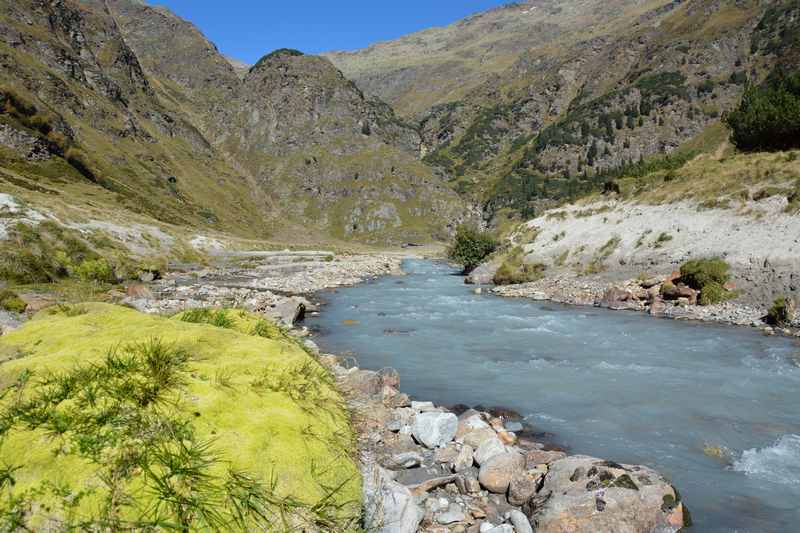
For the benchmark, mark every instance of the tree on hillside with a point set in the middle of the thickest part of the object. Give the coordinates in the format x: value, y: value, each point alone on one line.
x: 768, y: 117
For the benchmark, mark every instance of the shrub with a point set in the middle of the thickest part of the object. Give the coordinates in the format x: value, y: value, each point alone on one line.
x: 768, y: 118
x: 10, y: 301
x: 782, y: 312
x: 511, y: 274
x: 95, y: 270
x: 708, y: 276
x: 471, y: 246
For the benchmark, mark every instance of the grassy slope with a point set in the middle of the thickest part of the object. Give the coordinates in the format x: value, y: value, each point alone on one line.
x: 275, y: 414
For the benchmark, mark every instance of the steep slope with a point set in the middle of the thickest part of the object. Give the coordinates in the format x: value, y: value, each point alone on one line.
x: 135, y: 106
x: 441, y: 65
x: 73, y: 86
x: 614, y: 87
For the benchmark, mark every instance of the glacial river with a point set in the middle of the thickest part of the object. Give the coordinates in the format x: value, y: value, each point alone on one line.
x: 716, y: 409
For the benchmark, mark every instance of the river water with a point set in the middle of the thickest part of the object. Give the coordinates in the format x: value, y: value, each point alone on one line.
x: 716, y: 409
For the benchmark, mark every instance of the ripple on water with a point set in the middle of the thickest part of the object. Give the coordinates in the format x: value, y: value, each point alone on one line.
x: 779, y: 463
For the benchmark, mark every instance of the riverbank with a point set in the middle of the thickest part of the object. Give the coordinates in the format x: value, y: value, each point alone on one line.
x: 424, y: 467
x: 641, y: 295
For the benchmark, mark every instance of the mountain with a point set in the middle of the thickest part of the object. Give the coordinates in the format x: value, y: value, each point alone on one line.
x: 612, y: 86
x: 132, y: 105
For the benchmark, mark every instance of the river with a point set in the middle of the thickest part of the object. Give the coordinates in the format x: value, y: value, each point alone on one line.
x: 714, y: 408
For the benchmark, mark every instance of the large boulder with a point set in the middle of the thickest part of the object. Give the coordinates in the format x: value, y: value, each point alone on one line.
x: 483, y: 274
x: 389, y: 507
x: 525, y: 484
x: 488, y: 449
x: 434, y: 429
x: 290, y: 310
x: 496, y: 473
x: 589, y: 495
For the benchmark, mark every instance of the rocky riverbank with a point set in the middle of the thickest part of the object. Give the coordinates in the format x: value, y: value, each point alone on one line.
x: 426, y: 468
x: 658, y: 296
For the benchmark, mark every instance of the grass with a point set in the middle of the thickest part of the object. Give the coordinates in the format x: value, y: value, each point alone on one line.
x: 183, y: 426
x: 598, y: 261
x: 709, y: 276
x: 662, y: 239
x: 10, y: 301
x: 514, y: 270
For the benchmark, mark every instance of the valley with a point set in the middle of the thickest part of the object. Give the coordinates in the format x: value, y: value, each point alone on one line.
x: 231, y: 293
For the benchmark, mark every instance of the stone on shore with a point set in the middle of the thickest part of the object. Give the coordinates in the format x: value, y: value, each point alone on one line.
x: 389, y: 507
x: 590, y: 495
x: 435, y: 429
x: 496, y: 473
x: 489, y: 448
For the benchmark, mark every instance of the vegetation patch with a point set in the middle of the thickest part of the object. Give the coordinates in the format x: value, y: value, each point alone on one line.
x: 183, y: 426
x: 471, y: 246
x: 782, y: 312
x: 514, y: 270
x: 768, y: 117
x: 10, y: 301
x: 598, y: 262
x: 709, y: 276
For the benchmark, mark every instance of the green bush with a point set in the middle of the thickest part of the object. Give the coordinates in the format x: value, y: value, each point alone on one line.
x: 782, y: 312
x: 10, y: 301
x: 708, y: 276
x: 95, y: 270
x: 768, y: 117
x: 471, y: 246
x: 514, y: 274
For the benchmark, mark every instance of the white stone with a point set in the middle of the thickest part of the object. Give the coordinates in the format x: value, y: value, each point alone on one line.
x: 423, y: 407
x: 435, y: 429
x: 487, y: 450
x: 389, y: 507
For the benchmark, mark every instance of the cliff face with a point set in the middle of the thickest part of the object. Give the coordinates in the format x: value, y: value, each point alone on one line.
x: 165, y: 124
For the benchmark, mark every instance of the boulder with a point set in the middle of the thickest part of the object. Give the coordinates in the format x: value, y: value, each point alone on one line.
x: 524, y: 485
x: 400, y: 417
x: 423, y: 407
x: 389, y: 507
x: 676, y: 292
x: 404, y: 460
x: 519, y: 521
x: 496, y: 473
x: 453, y: 514
x: 434, y: 429
x: 649, y: 283
x: 464, y: 459
x: 488, y: 449
x: 362, y: 382
x: 290, y: 310
x: 613, y: 297
x: 590, y: 495
x: 483, y: 274
x: 476, y: 437
x: 447, y: 454
x: 534, y: 458
x: 468, y: 423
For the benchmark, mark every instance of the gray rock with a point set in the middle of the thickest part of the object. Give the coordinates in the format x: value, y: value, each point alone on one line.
x: 404, y: 460
x: 389, y: 506
x: 519, y: 521
x: 399, y: 418
x: 464, y: 459
x: 524, y: 484
x: 453, y: 514
x: 423, y: 407
x: 489, y: 448
x: 435, y: 429
x: 496, y: 473
x: 290, y: 310
x: 476, y: 437
x: 483, y: 274
x: 502, y: 528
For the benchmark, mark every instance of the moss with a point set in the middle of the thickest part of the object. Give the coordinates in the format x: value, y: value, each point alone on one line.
x: 624, y: 481
x: 514, y: 270
x: 10, y: 301
x: 278, y: 427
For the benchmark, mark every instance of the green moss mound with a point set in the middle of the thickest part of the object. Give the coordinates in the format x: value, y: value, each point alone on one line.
x: 113, y: 419
x: 708, y: 276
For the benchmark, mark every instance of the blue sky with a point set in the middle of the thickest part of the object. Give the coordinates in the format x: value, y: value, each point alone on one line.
x: 248, y: 29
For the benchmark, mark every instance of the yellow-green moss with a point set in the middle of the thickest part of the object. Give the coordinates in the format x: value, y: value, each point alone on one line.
x: 266, y: 407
